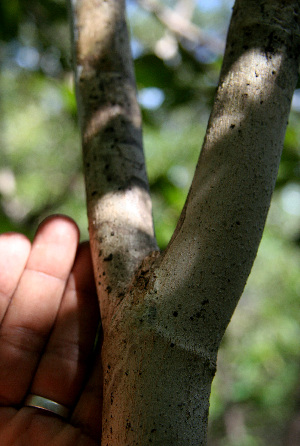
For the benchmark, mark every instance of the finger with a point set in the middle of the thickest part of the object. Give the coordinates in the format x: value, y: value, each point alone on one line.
x: 63, y: 367
x: 34, y: 428
x: 33, y: 308
x: 88, y: 412
x: 14, y: 252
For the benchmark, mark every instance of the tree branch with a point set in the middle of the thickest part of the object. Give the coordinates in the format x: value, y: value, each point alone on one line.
x: 182, y: 27
x: 119, y: 205
x: 224, y: 216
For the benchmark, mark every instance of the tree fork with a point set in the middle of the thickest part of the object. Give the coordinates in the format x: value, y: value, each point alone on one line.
x: 163, y: 325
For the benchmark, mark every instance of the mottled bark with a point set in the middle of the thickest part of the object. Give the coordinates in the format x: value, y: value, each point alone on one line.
x: 163, y: 326
x: 118, y: 201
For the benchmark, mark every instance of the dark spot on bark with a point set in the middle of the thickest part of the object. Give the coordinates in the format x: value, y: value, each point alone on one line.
x: 238, y: 223
x: 108, y: 258
x: 210, y: 366
x: 94, y: 193
x: 109, y: 367
x: 273, y: 72
x: 232, y: 126
x: 261, y: 102
x: 112, y: 233
x: 270, y: 49
x: 175, y: 313
x: 108, y: 289
x: 172, y: 345
x: 151, y: 313
x: 205, y: 302
x: 153, y: 430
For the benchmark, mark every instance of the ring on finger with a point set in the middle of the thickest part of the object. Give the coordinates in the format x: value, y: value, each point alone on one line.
x: 47, y: 405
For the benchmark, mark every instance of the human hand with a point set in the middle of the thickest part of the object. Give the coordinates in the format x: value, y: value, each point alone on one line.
x: 49, y: 317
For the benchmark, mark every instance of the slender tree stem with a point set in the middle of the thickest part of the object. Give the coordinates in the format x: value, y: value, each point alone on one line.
x: 224, y: 216
x: 119, y: 205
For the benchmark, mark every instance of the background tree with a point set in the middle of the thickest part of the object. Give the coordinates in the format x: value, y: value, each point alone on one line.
x: 253, y: 383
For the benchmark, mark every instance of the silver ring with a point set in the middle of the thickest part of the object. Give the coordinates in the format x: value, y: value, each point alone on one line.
x: 42, y: 403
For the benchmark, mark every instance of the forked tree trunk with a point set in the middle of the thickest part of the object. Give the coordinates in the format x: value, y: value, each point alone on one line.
x: 164, y: 315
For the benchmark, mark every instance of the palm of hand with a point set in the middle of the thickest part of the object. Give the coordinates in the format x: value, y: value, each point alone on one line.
x: 48, y: 322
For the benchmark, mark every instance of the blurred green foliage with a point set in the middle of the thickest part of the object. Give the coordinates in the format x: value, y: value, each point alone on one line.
x: 256, y: 392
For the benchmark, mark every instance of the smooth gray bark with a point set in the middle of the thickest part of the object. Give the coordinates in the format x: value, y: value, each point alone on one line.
x: 118, y: 201
x: 163, y: 325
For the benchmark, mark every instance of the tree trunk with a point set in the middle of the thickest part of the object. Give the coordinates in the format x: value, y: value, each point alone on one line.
x: 164, y: 315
